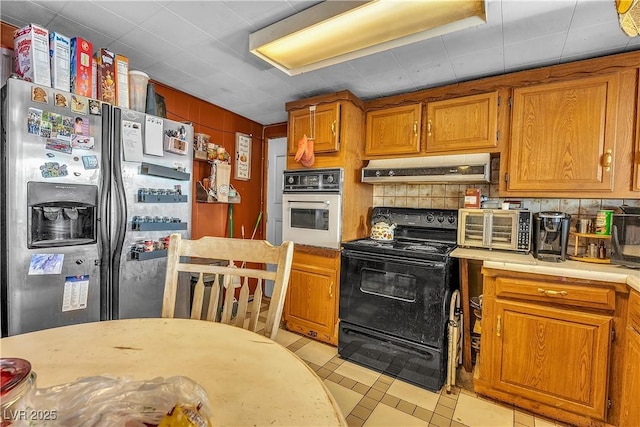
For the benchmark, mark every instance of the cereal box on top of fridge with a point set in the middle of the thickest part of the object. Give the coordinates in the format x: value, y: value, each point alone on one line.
x: 31, y: 53
x: 122, y: 81
x: 81, y: 62
x: 106, y: 71
x: 60, y: 56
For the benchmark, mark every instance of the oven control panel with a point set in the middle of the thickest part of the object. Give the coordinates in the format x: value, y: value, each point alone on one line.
x: 419, y: 218
x: 313, y: 181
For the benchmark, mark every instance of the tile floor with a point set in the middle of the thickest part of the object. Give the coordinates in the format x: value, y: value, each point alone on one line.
x: 368, y: 398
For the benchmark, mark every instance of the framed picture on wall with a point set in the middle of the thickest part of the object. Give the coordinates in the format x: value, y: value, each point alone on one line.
x: 243, y: 157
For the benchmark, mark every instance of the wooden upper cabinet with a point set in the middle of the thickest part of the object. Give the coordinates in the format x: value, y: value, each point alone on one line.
x: 563, y: 136
x: 465, y: 123
x: 393, y: 131
x: 320, y: 122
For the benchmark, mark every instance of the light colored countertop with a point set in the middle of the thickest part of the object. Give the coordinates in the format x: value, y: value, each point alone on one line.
x: 249, y: 379
x: 527, y: 263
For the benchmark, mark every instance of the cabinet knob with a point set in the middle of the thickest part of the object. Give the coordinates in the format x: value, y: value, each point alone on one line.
x: 607, y: 159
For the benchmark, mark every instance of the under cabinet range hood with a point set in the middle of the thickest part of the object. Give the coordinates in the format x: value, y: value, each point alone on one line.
x: 467, y: 168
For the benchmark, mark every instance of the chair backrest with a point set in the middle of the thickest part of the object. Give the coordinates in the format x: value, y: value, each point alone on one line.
x: 233, y: 273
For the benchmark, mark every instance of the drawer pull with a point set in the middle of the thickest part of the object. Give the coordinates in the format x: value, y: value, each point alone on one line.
x: 499, y: 326
x: 551, y: 293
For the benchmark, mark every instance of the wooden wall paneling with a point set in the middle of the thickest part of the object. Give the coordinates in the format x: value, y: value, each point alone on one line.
x: 6, y: 34
x: 636, y: 157
x: 221, y: 125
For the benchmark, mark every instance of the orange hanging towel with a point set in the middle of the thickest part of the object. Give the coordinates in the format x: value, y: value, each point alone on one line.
x: 305, y: 154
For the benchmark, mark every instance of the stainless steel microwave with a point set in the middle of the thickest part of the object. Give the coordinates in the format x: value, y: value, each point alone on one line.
x: 508, y: 230
x: 625, y: 237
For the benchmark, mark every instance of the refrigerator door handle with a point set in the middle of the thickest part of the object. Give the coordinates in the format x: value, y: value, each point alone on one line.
x: 120, y: 221
x: 103, y: 220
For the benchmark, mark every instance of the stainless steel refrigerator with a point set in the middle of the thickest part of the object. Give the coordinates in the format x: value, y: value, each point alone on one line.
x: 88, y: 194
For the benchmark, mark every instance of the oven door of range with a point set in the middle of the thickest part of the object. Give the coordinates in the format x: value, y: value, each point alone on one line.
x: 398, y: 296
x: 312, y: 219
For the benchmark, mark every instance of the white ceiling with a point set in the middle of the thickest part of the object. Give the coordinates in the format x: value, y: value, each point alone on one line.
x: 201, y: 47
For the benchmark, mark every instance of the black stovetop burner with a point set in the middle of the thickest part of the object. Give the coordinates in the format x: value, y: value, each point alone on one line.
x: 420, y: 233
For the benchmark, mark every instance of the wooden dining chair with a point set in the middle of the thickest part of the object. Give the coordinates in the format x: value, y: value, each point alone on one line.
x: 238, y: 271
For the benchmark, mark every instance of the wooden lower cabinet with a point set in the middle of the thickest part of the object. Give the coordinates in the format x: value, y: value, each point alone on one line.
x: 630, y: 409
x: 542, y: 349
x: 311, y: 306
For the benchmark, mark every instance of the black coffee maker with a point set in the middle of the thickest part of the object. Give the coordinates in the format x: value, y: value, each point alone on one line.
x: 551, y: 235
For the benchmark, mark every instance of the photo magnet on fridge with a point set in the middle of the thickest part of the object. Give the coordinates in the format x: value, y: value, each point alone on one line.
x: 61, y: 143
x: 34, y: 118
x: 82, y: 142
x: 94, y: 107
x: 79, y: 104
x: 60, y: 100
x: 38, y: 94
x: 90, y: 162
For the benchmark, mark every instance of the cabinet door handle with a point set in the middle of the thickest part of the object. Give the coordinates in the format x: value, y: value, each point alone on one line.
x: 499, y: 326
x: 429, y: 128
x: 607, y: 159
x: 551, y: 293
x: 333, y: 128
x: 415, y: 128
x: 331, y: 290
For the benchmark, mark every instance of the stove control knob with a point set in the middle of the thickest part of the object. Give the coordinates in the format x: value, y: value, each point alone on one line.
x: 290, y: 180
x: 440, y: 218
x: 377, y: 173
x: 451, y: 219
x: 430, y: 217
x: 391, y: 173
x: 330, y: 179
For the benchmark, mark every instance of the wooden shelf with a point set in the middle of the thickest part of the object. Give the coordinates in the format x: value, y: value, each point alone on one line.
x: 591, y: 235
x: 584, y: 257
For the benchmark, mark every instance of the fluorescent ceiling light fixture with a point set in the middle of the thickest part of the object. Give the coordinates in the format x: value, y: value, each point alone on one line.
x: 336, y: 31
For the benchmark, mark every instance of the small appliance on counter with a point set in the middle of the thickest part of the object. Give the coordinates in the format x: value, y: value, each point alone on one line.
x: 551, y: 235
x: 625, y: 237
x: 504, y: 229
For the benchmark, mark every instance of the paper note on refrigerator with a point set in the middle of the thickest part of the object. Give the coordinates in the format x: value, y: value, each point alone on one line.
x: 132, y: 141
x: 153, y: 136
x: 76, y: 290
x: 46, y: 264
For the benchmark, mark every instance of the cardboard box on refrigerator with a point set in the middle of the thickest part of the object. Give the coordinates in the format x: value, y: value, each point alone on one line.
x: 122, y: 81
x: 60, y: 57
x: 81, y: 64
x: 106, y: 71
x: 31, y: 54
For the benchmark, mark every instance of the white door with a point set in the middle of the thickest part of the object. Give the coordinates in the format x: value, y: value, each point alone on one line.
x: 277, y: 163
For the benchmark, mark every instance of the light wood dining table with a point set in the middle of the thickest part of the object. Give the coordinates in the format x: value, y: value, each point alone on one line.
x: 249, y: 379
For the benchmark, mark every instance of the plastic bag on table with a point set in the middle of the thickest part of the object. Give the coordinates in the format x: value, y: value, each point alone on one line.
x: 112, y: 401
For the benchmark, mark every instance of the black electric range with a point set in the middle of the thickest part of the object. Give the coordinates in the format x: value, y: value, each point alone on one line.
x: 395, y: 296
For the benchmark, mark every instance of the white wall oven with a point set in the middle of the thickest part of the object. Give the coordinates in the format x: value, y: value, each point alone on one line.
x: 312, y: 207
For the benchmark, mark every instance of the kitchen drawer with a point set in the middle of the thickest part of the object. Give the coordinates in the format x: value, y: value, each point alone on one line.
x: 556, y: 293
x: 634, y: 311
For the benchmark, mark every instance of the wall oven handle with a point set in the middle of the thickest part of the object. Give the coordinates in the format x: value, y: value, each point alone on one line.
x: 324, y: 202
